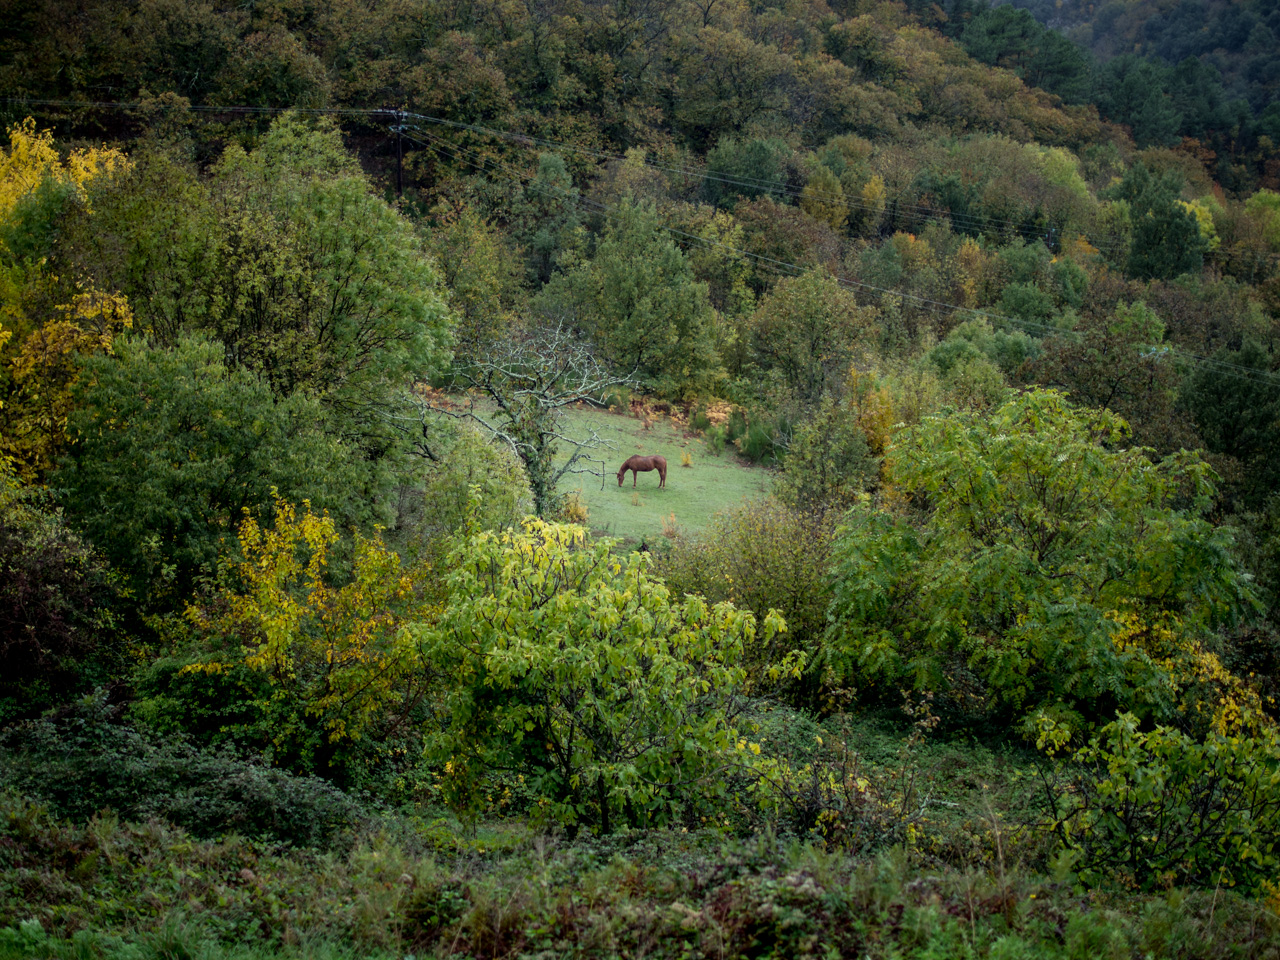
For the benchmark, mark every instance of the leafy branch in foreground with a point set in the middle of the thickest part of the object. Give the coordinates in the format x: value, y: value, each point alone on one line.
x: 578, y: 670
x: 1151, y: 808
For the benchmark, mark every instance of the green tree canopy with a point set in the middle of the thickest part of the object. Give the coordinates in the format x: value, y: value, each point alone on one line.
x: 828, y: 465
x: 1166, y: 236
x: 638, y: 302
x: 1034, y: 565
x: 544, y: 216
x: 172, y: 446
x: 1010, y: 37
x: 744, y: 168
x: 1235, y: 401
x: 286, y: 257
x: 805, y: 331
x: 574, y: 667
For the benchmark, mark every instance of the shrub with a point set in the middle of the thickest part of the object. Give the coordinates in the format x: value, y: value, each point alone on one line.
x: 85, y: 760
x: 57, y: 626
x: 173, y: 446
x: 827, y: 791
x: 1161, y: 807
x: 575, y: 508
x: 828, y: 464
x: 760, y: 441
x: 475, y: 479
x: 324, y: 666
x: 763, y: 556
x: 1027, y: 560
x: 576, y: 668
x: 671, y: 529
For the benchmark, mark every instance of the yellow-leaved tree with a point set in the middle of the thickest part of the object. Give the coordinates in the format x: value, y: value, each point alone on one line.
x: 39, y: 343
x: 40, y: 372
x: 324, y: 666
x: 32, y: 159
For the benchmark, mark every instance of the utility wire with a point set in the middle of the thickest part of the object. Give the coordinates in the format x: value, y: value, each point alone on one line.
x: 199, y: 108
x: 912, y: 211
x: 923, y: 213
x: 917, y: 212
x: 490, y: 167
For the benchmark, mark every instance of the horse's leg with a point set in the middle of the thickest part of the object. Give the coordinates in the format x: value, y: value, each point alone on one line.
x: 635, y: 477
x: 662, y: 478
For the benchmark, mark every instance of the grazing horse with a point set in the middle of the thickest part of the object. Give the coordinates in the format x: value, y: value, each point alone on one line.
x: 638, y: 465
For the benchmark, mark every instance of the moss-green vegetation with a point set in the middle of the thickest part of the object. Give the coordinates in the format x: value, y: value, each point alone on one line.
x: 509, y: 893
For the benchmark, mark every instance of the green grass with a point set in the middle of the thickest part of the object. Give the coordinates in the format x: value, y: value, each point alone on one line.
x: 693, y: 494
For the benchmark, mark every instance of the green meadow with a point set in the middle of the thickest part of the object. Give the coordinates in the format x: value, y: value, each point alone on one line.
x: 693, y: 494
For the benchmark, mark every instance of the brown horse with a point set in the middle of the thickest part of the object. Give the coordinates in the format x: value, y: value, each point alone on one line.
x: 638, y: 465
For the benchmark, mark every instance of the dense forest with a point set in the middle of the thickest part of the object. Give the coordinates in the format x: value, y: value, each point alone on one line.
x: 1200, y: 74
x: 311, y: 642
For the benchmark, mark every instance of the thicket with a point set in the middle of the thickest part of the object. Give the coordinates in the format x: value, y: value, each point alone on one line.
x: 87, y: 759
x: 658, y: 893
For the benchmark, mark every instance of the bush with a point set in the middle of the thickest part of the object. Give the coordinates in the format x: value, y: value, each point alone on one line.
x: 811, y: 782
x: 828, y: 465
x: 760, y: 441
x: 57, y: 626
x: 1027, y: 562
x: 173, y: 447
x: 477, y: 479
x: 85, y: 760
x: 580, y: 671
x: 321, y: 657
x: 762, y: 556
x: 1160, y: 807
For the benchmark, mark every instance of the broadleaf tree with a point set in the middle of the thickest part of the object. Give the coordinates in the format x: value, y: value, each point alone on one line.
x: 575, y: 668
x: 1030, y: 561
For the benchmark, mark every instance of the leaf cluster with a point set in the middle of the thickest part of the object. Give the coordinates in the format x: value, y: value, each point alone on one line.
x: 575, y: 668
x: 1022, y: 543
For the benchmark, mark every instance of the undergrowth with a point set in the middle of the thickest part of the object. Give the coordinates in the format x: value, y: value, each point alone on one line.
x: 113, y: 889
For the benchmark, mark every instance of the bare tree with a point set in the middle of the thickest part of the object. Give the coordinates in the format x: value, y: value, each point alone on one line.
x: 518, y: 391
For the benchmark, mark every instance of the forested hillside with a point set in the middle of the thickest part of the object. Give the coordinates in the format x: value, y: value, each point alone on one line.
x: 322, y: 323
x: 1172, y: 72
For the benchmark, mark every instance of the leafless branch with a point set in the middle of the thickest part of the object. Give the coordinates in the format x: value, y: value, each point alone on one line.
x: 517, y: 393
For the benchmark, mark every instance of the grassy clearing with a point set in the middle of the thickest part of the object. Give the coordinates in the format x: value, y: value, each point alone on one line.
x: 693, y: 494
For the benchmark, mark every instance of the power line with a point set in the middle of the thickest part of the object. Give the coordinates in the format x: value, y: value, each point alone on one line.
x: 912, y: 211
x: 917, y: 212
x: 198, y: 108
x: 482, y: 163
x: 792, y: 269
